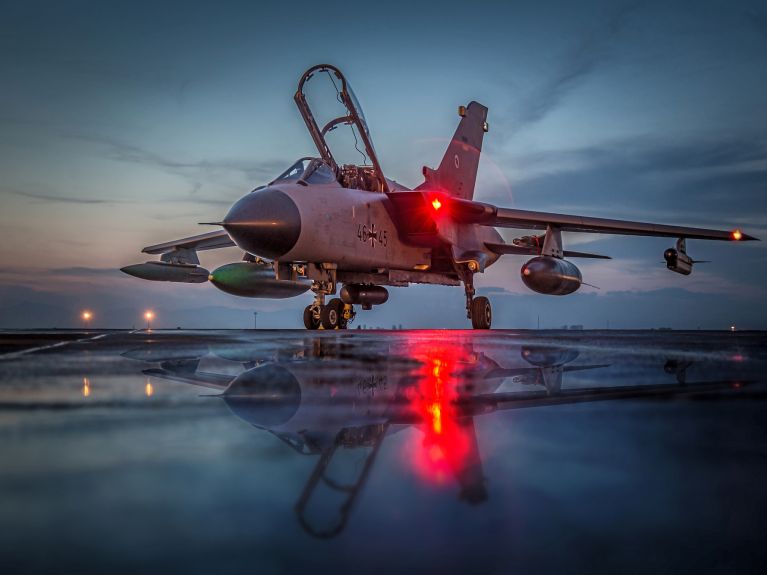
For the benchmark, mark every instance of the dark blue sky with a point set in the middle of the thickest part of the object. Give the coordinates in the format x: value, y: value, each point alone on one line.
x: 124, y: 123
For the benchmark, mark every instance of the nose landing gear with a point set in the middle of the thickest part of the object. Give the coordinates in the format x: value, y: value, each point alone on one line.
x: 335, y: 315
x: 312, y: 317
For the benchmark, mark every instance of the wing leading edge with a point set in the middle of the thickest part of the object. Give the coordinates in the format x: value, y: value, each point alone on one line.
x: 489, y: 215
x: 207, y: 241
x: 178, y: 259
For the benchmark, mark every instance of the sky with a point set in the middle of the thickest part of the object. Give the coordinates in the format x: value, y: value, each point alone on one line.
x: 123, y: 124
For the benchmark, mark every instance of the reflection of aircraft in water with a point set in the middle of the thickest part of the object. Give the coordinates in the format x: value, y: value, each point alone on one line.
x: 678, y: 367
x: 340, y: 398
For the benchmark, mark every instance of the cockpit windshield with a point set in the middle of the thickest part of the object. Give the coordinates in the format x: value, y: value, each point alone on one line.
x: 319, y: 172
x: 338, y: 127
x: 307, y: 171
x: 295, y: 171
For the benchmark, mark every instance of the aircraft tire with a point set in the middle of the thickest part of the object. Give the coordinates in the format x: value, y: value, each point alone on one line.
x: 331, y: 315
x: 343, y: 322
x: 309, y: 320
x: 481, y: 313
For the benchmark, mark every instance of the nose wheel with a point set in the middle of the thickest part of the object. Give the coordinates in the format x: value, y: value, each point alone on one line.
x: 311, y: 317
x: 330, y: 316
x: 335, y: 315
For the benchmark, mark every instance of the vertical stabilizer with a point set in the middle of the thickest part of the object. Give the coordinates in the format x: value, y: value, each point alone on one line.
x: 457, y: 172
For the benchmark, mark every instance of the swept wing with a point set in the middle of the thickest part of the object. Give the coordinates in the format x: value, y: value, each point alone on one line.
x: 207, y: 241
x: 489, y: 215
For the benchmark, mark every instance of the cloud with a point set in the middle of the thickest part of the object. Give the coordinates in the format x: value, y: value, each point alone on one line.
x: 82, y: 271
x: 577, y: 66
x: 194, y: 196
x: 654, y: 154
x: 52, y: 279
x: 67, y: 199
x: 120, y: 151
x: 634, y: 275
x: 64, y: 198
x: 698, y: 181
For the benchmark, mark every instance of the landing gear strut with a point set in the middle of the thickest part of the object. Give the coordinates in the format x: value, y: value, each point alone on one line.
x: 478, y: 309
x: 335, y: 315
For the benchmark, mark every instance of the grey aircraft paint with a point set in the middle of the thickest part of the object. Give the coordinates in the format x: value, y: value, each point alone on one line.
x: 161, y: 271
x: 266, y: 223
x: 324, y: 223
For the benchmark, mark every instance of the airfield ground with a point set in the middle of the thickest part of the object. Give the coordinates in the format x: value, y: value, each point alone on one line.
x: 376, y: 451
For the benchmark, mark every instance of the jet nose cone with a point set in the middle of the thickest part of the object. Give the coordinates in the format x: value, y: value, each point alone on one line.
x: 266, y: 223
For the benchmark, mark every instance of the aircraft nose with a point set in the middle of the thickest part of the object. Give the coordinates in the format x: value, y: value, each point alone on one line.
x: 265, y: 223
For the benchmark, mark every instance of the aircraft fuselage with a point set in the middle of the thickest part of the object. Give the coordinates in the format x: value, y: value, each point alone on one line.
x: 351, y: 228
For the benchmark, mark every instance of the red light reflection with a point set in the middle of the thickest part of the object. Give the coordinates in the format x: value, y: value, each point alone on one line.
x: 448, y: 447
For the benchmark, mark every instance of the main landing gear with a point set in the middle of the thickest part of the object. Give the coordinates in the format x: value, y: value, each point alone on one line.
x: 478, y: 309
x: 334, y: 315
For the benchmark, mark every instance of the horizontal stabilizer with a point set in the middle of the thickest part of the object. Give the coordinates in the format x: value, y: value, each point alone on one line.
x: 571, y: 254
x: 510, y: 249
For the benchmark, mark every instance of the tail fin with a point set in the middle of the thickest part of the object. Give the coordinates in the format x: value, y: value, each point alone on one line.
x: 457, y: 172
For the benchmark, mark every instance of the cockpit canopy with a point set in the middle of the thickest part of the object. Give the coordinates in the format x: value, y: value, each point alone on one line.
x: 332, y: 114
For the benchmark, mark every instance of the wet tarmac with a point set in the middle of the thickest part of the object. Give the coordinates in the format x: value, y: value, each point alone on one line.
x: 367, y: 452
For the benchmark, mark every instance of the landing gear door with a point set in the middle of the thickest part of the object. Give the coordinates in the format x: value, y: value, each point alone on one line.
x: 332, y: 114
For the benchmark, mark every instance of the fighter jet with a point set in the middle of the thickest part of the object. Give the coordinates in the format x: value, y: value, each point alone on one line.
x: 340, y: 228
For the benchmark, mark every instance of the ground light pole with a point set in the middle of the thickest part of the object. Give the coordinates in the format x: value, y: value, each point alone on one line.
x: 87, y: 316
x: 149, y: 316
